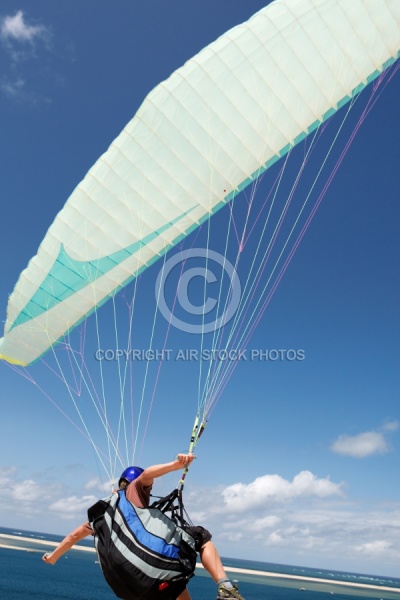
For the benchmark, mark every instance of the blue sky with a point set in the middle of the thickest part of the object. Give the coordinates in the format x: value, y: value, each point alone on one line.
x: 299, y: 463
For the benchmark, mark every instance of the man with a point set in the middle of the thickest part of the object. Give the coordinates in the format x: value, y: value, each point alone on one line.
x: 137, y: 484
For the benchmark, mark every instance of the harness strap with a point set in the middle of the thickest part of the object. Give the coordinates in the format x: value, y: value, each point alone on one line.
x: 173, y: 504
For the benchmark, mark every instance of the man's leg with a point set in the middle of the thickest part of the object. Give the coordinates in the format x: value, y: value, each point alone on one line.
x: 212, y: 561
x: 213, y: 564
x: 184, y: 595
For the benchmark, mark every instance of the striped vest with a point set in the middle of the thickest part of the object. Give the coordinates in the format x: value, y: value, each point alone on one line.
x: 143, y: 554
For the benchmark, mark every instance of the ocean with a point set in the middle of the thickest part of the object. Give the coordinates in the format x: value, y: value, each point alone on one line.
x: 77, y: 576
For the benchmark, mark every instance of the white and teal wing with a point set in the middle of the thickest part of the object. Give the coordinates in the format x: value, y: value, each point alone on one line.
x: 198, y: 139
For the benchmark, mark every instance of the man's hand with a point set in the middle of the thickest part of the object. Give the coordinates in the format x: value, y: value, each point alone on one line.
x: 185, y: 459
x: 47, y: 559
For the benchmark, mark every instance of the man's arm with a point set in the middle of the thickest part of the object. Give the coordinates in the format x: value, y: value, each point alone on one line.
x: 151, y: 473
x: 70, y: 540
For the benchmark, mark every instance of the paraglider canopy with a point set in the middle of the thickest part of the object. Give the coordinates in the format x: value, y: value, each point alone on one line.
x: 198, y: 139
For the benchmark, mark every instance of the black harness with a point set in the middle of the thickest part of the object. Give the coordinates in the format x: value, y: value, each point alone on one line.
x: 144, y: 553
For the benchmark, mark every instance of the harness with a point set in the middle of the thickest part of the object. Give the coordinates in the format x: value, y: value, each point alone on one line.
x: 144, y: 553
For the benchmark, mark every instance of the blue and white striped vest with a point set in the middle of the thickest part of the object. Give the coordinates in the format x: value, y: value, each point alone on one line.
x: 143, y: 554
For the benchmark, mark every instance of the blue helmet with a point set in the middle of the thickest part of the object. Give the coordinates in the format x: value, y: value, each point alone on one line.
x: 130, y: 474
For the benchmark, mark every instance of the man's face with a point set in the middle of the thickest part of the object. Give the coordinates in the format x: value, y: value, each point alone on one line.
x: 123, y: 484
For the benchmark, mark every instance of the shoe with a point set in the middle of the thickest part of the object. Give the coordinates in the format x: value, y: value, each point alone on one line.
x: 224, y: 592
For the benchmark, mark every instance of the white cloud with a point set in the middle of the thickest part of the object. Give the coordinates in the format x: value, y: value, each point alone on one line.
x: 26, y: 491
x: 328, y: 532
x: 258, y: 525
x: 303, y: 521
x: 266, y: 522
x: 375, y: 548
x: 274, y: 488
x: 15, y: 28
x: 391, y: 426
x: 361, y: 445
x: 22, y: 499
x: 13, y: 89
x: 72, y: 506
x: 234, y: 537
x: 275, y: 538
x: 26, y: 498
x: 105, y: 487
x: 27, y: 47
x: 6, y: 475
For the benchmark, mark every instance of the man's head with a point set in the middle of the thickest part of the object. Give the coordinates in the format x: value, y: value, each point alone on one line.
x: 129, y: 475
